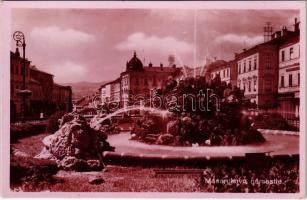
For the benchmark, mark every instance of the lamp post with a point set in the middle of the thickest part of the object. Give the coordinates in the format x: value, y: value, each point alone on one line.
x: 19, y: 37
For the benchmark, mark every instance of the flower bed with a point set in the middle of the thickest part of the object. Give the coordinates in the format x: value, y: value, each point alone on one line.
x: 214, y: 118
x: 186, y: 131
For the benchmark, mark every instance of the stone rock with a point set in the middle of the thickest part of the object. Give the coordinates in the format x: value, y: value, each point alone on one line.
x: 48, y: 140
x: 150, y: 139
x: 94, y: 165
x: 73, y: 138
x: 73, y: 163
x: 66, y: 118
x: 76, y: 146
x: 96, y: 180
x: 44, y: 154
x: 165, y: 139
x: 19, y: 153
x: 178, y: 140
x: 172, y: 127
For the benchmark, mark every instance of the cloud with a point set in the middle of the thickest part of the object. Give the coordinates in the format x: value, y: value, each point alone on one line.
x: 174, y: 14
x: 67, y: 72
x: 239, y: 39
x: 58, y: 36
x: 165, y: 45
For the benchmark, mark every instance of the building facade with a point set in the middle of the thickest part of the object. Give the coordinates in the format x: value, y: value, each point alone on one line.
x: 138, y: 81
x: 105, y: 91
x: 62, y: 97
x: 46, y: 96
x: 289, y: 76
x: 257, y: 70
x: 115, y: 94
x: 16, y: 66
x: 221, y: 69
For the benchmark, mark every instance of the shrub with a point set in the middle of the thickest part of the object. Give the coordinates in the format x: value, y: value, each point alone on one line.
x: 53, y: 121
x: 31, y: 171
x: 26, y: 129
x: 272, y: 121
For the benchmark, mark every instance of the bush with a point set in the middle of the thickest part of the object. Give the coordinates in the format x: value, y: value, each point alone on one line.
x: 26, y: 129
x: 53, y: 121
x: 30, y: 172
x: 272, y: 121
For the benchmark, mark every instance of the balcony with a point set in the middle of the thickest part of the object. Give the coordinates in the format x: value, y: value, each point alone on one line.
x: 287, y: 89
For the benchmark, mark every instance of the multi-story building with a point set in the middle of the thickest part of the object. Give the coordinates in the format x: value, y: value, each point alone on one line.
x: 105, y: 91
x: 219, y: 68
x: 46, y: 96
x: 257, y: 70
x: 269, y: 73
x: 17, y: 83
x: 233, y: 72
x: 36, y: 98
x: 62, y: 97
x: 289, y: 74
x: 110, y: 92
x: 46, y: 80
x: 138, y: 80
x: 115, y: 91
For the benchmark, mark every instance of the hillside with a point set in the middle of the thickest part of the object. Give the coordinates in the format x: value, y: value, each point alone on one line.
x: 84, y: 88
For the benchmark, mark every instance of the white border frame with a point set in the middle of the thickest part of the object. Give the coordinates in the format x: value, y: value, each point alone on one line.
x: 5, y: 33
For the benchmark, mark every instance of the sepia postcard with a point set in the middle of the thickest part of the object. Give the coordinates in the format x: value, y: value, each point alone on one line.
x: 153, y: 99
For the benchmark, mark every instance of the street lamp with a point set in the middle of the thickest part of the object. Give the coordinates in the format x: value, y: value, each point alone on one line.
x: 19, y: 37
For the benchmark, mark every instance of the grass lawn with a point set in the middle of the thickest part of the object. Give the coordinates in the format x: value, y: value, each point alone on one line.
x: 117, y: 178
x: 31, y: 145
x: 126, y: 179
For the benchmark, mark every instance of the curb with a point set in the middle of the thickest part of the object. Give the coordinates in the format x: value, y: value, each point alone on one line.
x: 122, y: 157
x: 278, y: 132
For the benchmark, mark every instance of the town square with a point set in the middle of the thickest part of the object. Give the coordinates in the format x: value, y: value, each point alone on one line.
x: 190, y: 100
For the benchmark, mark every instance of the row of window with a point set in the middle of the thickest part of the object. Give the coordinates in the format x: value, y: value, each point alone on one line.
x: 16, y: 86
x: 154, y: 81
x: 245, y: 68
x: 138, y: 90
x: 36, y: 93
x: 247, y: 85
x: 225, y: 73
x: 16, y: 69
x: 290, y: 54
x: 242, y: 68
x: 290, y: 80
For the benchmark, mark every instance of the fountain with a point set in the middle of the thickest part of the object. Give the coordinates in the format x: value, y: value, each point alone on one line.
x: 96, y: 121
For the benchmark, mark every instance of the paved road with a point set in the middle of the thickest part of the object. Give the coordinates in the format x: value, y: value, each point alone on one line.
x: 278, y: 144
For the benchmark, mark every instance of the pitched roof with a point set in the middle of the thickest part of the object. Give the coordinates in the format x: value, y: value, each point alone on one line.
x: 35, y: 69
x: 161, y: 69
x: 34, y: 81
x: 218, y: 64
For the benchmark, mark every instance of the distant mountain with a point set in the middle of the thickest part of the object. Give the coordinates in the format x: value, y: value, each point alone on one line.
x: 84, y: 88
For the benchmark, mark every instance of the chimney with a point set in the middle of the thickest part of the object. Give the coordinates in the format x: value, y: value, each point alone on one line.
x: 296, y: 25
x: 284, y: 31
x: 150, y: 64
x: 174, y: 65
x: 236, y: 55
x: 161, y: 66
x: 277, y: 34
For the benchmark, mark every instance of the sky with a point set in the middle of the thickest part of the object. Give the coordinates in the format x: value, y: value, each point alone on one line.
x: 94, y: 44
